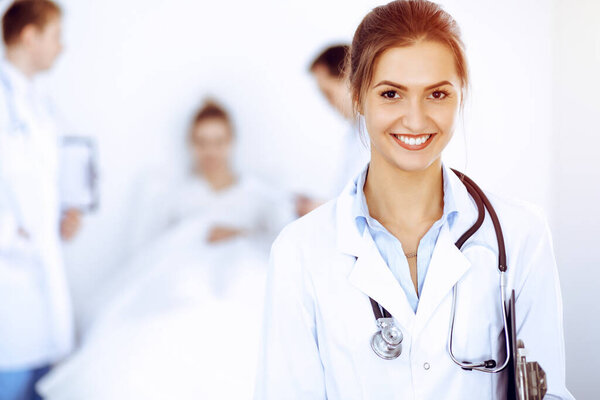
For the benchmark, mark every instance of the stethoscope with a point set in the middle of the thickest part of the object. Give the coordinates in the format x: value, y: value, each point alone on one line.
x: 387, y: 341
x: 16, y: 124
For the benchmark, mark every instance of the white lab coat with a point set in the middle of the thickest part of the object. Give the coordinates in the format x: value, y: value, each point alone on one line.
x: 319, y: 321
x: 35, y: 312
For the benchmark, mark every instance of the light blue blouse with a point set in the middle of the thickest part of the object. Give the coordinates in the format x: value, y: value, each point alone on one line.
x: 390, y: 248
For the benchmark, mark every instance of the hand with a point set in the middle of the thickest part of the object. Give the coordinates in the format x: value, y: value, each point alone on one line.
x: 221, y: 233
x: 70, y: 224
x: 304, y: 205
x: 23, y: 234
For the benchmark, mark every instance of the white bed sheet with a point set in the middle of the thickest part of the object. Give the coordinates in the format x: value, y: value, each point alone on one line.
x: 183, y: 323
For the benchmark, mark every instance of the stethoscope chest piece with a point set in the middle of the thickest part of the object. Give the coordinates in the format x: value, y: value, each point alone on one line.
x: 387, y: 342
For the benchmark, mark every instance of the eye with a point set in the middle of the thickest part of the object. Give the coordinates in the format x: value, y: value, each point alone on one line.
x: 438, y: 95
x: 390, y: 94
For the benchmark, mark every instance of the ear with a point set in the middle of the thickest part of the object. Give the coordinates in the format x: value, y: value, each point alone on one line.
x: 357, y: 105
x: 28, y: 34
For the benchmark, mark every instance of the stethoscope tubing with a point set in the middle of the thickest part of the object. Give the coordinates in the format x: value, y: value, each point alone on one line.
x: 17, y: 125
x: 483, y: 204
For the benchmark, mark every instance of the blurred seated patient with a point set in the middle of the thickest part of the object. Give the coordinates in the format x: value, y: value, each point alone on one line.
x: 183, y: 322
x: 231, y: 204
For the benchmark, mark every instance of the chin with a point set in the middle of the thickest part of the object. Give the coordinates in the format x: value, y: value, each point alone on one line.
x: 412, y: 163
x: 45, y: 67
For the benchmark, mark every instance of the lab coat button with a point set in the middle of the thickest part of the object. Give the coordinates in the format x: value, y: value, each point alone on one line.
x: 426, y: 366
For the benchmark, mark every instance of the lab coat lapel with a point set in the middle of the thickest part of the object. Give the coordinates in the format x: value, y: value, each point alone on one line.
x: 372, y: 276
x: 448, y: 265
x: 370, y: 273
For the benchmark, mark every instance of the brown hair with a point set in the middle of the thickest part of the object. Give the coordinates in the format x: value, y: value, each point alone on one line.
x: 333, y: 58
x: 22, y: 13
x: 401, y: 23
x: 210, y: 109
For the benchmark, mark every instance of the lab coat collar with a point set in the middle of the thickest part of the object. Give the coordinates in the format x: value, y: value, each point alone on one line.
x: 372, y: 276
x: 447, y: 266
x: 361, y: 212
x: 349, y: 237
x: 19, y: 83
x: 464, y: 203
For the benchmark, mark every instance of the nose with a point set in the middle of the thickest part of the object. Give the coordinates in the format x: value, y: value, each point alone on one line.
x: 415, y: 117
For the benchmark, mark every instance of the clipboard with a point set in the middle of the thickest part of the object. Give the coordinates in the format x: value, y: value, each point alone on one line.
x: 79, y: 174
x: 526, y: 380
x: 511, y: 368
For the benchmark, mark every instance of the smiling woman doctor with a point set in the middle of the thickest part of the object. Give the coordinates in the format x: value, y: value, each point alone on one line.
x: 387, y: 245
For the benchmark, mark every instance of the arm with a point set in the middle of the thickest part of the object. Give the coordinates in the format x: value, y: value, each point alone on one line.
x: 539, y: 315
x: 290, y: 365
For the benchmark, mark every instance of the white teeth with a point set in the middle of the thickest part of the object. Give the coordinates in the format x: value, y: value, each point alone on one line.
x: 412, y: 140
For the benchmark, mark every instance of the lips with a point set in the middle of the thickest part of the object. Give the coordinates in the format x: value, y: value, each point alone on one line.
x: 413, y: 142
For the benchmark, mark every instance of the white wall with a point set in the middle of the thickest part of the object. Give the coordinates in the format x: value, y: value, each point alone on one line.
x: 576, y: 89
x: 135, y: 70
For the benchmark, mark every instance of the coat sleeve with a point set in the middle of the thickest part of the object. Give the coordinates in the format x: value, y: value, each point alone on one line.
x: 9, y: 221
x: 539, y: 313
x: 289, y: 364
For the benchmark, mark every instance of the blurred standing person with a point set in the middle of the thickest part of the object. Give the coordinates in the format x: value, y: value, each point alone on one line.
x: 36, y: 327
x: 328, y: 70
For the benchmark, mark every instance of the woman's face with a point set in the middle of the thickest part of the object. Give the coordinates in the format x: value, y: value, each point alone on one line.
x: 410, y: 108
x: 211, y: 145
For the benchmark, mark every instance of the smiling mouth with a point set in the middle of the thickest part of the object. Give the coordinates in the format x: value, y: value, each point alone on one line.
x: 414, y: 142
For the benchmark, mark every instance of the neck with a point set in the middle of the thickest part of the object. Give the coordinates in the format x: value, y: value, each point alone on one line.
x: 398, y: 198
x: 348, y: 110
x: 220, y: 178
x: 20, y: 58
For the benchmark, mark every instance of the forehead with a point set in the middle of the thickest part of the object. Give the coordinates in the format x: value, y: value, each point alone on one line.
x: 211, y: 128
x: 420, y: 64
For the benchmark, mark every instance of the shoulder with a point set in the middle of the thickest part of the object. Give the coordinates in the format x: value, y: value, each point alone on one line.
x: 527, y: 237
x: 313, y: 232
x: 520, y: 221
x: 518, y: 217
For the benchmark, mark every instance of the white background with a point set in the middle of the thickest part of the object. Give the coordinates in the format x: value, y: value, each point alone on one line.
x: 134, y: 71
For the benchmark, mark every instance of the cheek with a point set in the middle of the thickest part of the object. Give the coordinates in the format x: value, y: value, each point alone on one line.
x: 378, y: 119
x: 445, y: 118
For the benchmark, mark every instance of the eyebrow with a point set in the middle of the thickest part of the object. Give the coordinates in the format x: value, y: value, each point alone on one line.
x: 404, y: 88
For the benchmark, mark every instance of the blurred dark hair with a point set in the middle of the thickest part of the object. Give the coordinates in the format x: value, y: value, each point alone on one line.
x: 333, y: 58
x: 27, y: 12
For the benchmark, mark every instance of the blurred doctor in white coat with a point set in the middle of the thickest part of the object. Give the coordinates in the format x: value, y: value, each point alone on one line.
x: 36, y: 327
x: 328, y: 70
x: 391, y: 236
